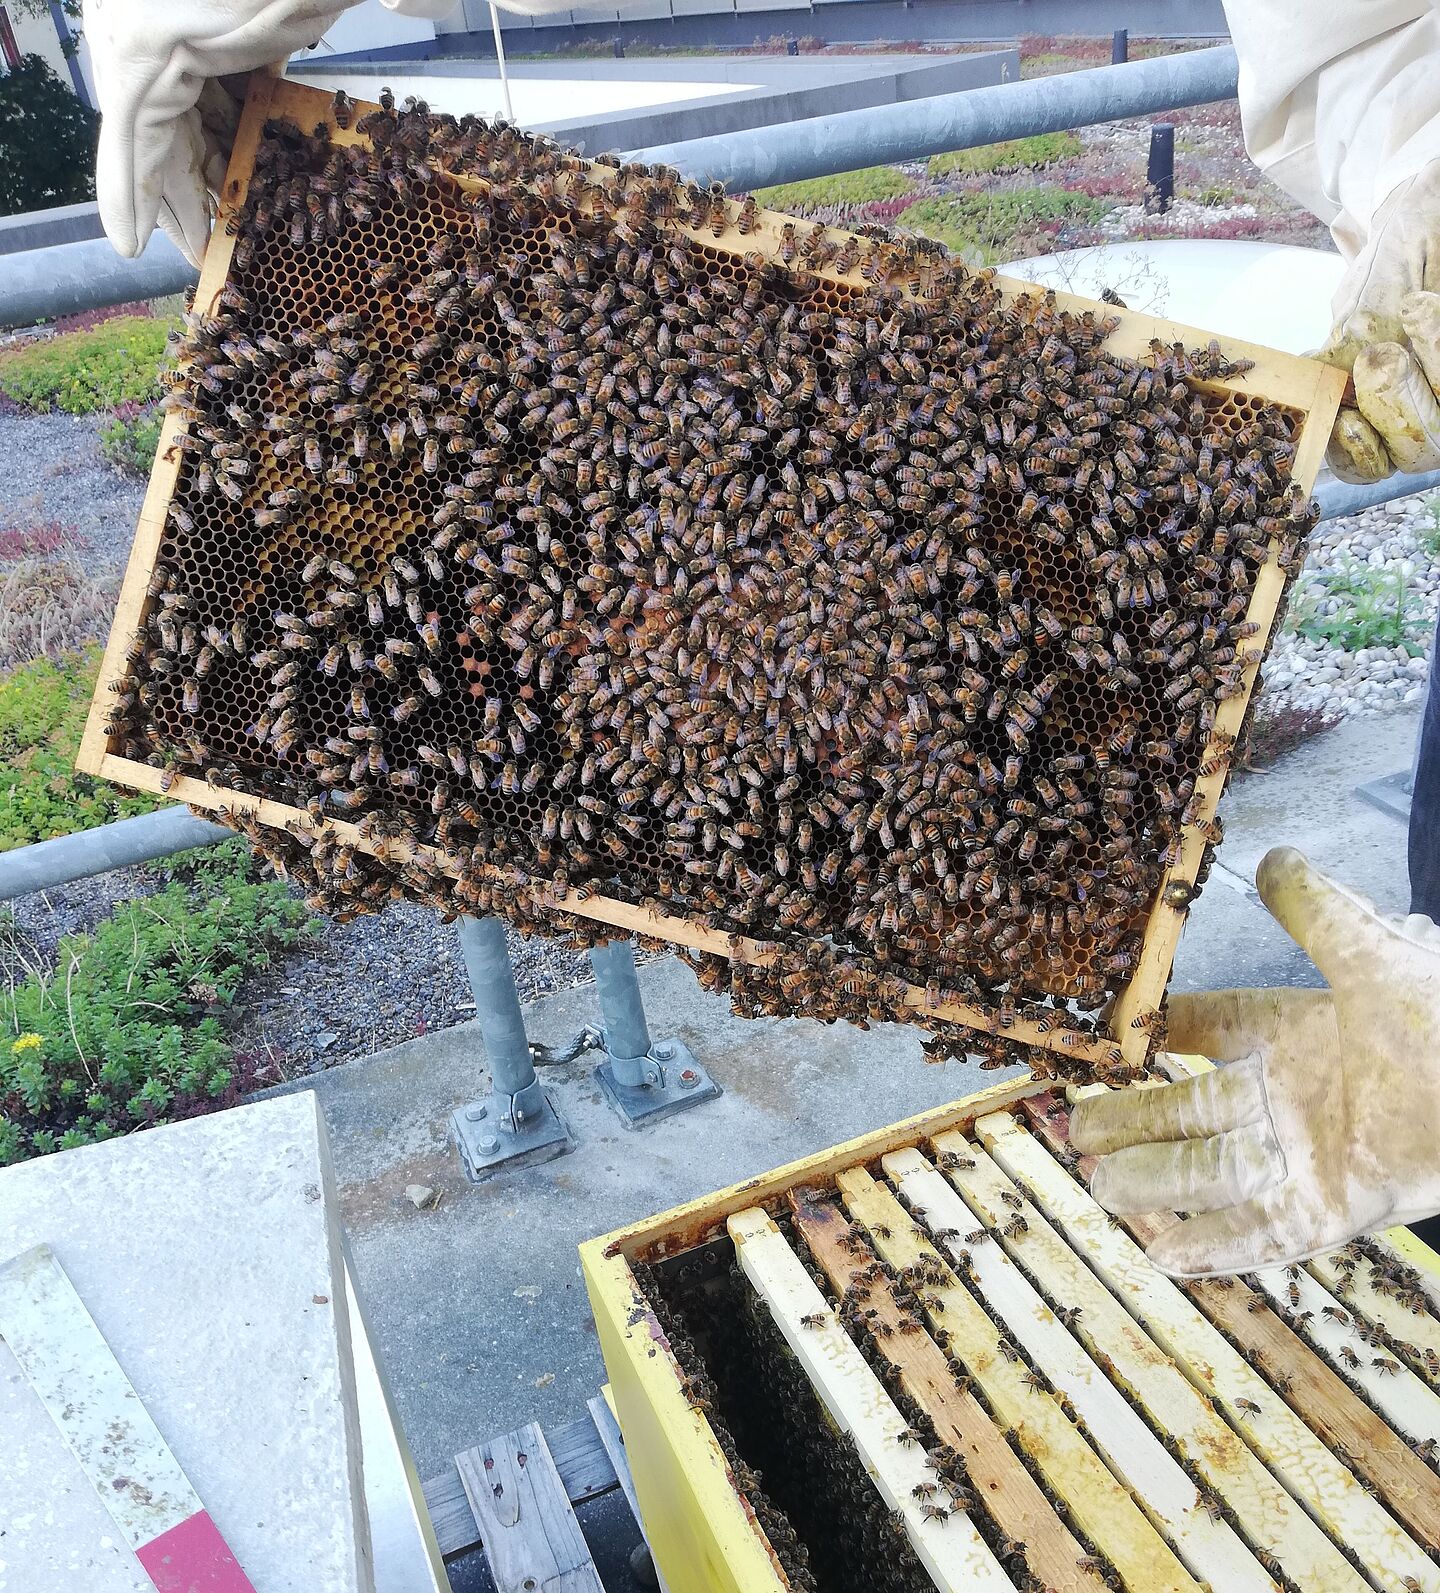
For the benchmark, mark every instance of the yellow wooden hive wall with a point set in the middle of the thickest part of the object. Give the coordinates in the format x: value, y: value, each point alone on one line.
x: 1174, y: 1436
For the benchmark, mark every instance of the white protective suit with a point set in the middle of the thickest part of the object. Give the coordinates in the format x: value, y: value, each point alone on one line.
x: 1341, y: 106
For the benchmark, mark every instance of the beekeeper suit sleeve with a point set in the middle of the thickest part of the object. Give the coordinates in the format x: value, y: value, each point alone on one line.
x: 1340, y: 102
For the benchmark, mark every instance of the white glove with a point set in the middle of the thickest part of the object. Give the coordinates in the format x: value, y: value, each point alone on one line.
x: 1327, y: 1122
x: 1387, y: 334
x: 166, y: 126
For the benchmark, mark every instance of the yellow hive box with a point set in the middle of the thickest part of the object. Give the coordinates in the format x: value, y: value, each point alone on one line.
x: 926, y: 1357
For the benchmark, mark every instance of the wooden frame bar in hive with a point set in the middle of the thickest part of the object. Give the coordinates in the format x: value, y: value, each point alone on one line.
x: 1314, y: 1483
x: 1301, y: 386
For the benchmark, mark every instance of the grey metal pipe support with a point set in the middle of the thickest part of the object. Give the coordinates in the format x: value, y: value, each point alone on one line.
x: 497, y: 1010
x: 39, y: 284
x: 1339, y: 498
x: 627, y: 1035
x: 47, y: 864
x: 883, y: 134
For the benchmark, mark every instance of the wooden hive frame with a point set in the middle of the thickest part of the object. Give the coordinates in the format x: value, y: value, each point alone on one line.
x: 1303, y: 386
x: 1185, y: 1432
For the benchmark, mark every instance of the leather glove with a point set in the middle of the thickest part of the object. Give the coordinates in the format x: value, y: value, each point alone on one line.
x: 1326, y: 1123
x: 167, y: 122
x: 1387, y: 335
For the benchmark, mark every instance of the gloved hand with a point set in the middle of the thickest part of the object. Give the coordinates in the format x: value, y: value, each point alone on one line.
x: 167, y: 124
x: 1387, y: 335
x: 1325, y: 1125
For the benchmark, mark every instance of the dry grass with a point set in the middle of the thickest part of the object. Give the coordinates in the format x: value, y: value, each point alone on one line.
x: 51, y: 607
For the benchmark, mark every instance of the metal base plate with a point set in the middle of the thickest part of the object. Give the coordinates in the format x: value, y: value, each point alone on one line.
x: 486, y: 1145
x: 1390, y: 793
x: 686, y: 1085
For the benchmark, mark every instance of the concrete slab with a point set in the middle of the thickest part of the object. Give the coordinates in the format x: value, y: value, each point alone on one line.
x: 478, y: 1308
x: 1308, y: 799
x: 208, y: 1256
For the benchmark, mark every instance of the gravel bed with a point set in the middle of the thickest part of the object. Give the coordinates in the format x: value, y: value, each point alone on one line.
x: 43, y: 920
x: 375, y: 982
x: 51, y: 468
x: 1184, y: 219
x: 1306, y: 673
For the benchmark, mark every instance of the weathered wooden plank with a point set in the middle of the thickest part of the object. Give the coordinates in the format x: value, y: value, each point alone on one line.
x: 1210, y: 1548
x: 1003, y: 1487
x: 580, y: 1458
x: 613, y: 1440
x: 1098, y: 1504
x: 1296, y: 1454
x: 950, y: 1549
x: 531, y: 1537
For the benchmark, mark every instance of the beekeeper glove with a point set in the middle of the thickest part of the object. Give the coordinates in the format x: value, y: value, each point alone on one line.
x: 1387, y: 334
x: 1326, y: 1123
x: 167, y: 121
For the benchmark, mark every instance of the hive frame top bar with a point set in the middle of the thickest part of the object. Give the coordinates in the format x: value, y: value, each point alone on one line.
x: 1299, y: 384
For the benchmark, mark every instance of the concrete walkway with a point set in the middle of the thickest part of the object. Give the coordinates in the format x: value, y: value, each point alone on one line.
x: 478, y: 1305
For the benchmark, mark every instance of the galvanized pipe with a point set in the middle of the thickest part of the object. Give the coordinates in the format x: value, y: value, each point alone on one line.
x: 43, y: 283
x: 47, y: 864
x: 1339, y: 498
x: 627, y: 1035
x: 497, y: 1010
x: 39, y: 284
x: 882, y: 135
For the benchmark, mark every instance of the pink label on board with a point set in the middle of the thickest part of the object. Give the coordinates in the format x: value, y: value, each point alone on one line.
x: 193, y: 1558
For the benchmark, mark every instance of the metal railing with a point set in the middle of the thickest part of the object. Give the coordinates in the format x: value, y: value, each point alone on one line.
x: 43, y: 283
x: 823, y: 145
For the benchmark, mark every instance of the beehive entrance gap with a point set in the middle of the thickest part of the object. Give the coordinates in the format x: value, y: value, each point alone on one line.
x: 753, y: 717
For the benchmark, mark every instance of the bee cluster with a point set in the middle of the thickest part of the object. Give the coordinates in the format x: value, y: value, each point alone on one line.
x: 813, y: 590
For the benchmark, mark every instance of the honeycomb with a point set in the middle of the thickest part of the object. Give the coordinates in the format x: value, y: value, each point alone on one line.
x: 526, y: 544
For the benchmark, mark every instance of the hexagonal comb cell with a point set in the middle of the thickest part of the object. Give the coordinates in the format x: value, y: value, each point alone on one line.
x: 545, y: 527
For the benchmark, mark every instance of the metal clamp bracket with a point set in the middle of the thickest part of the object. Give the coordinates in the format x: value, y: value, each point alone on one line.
x: 509, y: 1130
x: 666, y: 1079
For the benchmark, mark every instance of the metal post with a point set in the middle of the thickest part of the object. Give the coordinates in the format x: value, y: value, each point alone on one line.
x: 643, y: 1079
x: 46, y: 864
x: 1160, y: 173
x: 516, y: 1121
x: 1120, y: 47
x: 65, y: 278
x: 504, y: 69
x: 42, y: 283
x: 71, y: 51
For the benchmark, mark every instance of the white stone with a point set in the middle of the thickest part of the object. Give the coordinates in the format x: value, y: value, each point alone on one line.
x: 208, y: 1254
